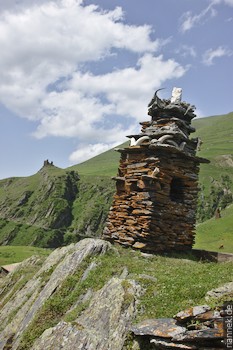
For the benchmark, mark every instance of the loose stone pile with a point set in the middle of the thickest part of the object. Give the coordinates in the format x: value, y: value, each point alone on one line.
x: 196, y: 328
x: 157, y: 184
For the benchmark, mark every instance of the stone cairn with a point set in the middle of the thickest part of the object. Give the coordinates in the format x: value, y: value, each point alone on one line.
x: 154, y: 207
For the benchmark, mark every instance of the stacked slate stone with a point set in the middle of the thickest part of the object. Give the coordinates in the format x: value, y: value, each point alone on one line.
x: 157, y: 184
x: 196, y: 328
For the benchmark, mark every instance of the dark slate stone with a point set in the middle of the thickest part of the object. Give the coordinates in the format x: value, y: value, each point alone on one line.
x: 162, y: 327
x: 200, y: 335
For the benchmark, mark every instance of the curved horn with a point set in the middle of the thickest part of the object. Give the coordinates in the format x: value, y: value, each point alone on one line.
x: 155, y: 98
x: 173, y: 143
x: 164, y: 138
x: 140, y: 141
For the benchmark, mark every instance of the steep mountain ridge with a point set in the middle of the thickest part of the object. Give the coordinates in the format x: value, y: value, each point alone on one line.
x: 35, y: 198
x: 52, y: 207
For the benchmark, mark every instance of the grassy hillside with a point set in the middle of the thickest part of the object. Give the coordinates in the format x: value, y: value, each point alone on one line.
x: 216, y: 234
x: 105, y: 164
x: 90, y: 207
x: 14, y: 254
x: 35, y: 210
x: 57, y: 206
x: 53, y: 207
x: 217, y: 136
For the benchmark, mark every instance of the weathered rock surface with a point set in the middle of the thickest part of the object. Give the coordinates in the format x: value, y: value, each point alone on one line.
x: 94, y: 319
x: 103, y: 325
x: 8, y: 281
x: 187, y: 314
x: 217, y: 293
x: 162, y: 327
x: 194, y: 328
x: 25, y: 303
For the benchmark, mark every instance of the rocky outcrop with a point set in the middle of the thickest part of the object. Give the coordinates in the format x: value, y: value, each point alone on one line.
x: 103, y: 325
x: 22, y: 305
x: 83, y: 296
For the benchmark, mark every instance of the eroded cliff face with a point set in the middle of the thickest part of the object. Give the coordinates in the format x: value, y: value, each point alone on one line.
x: 53, y: 297
x: 52, y: 208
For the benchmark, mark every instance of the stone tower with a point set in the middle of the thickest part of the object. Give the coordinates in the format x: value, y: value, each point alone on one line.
x: 154, y: 207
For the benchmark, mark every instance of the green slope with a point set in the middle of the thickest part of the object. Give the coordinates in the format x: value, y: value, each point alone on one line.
x: 216, y: 133
x: 55, y: 207
x: 35, y: 210
x: 217, y: 136
x: 14, y: 254
x: 216, y: 234
x: 105, y: 164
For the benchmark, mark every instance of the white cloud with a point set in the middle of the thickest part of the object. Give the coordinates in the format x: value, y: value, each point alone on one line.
x: 43, y: 43
x: 43, y: 49
x: 188, y: 21
x: 229, y: 2
x: 87, y: 151
x: 77, y: 109
x: 211, y: 54
x: 199, y: 113
x: 16, y: 4
x: 186, y: 50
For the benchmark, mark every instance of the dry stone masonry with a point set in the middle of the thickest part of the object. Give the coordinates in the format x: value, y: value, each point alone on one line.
x: 154, y: 206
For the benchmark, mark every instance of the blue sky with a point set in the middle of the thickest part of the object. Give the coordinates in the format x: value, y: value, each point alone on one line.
x: 76, y: 76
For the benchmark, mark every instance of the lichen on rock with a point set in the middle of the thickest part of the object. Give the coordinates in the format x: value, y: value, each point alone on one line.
x: 103, y: 325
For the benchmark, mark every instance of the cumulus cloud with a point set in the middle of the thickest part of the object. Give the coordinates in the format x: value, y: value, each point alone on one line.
x: 79, y: 106
x: 188, y: 20
x: 211, y: 54
x: 44, y: 48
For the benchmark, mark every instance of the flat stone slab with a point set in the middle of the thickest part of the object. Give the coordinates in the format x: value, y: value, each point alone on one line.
x: 185, y: 315
x: 161, y: 327
x: 200, y: 335
x: 167, y: 344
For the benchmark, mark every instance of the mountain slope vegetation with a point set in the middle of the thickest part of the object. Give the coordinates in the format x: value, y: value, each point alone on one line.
x: 59, y: 206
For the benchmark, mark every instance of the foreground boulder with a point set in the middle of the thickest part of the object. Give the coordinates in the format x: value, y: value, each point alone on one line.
x: 103, y: 325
